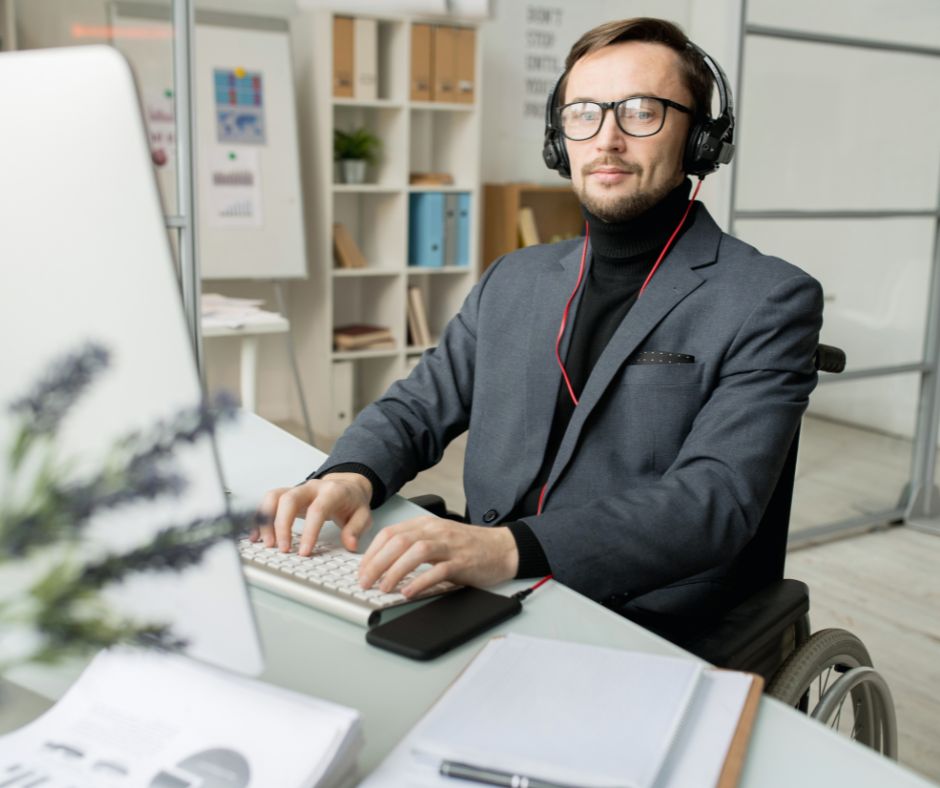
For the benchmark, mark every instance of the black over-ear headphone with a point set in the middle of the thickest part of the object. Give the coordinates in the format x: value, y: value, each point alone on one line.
x: 710, y: 143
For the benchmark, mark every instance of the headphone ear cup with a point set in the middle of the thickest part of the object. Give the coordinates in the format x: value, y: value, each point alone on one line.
x: 554, y: 153
x: 701, y: 150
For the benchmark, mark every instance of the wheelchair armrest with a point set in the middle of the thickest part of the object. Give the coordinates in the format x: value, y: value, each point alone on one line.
x: 744, y: 635
x: 433, y: 503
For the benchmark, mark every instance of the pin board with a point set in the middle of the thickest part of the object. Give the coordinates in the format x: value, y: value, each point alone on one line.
x: 248, y: 191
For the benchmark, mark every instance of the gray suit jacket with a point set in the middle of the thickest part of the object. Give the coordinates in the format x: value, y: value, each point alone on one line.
x: 665, y: 469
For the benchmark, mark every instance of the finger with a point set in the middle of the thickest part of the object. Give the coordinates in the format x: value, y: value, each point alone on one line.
x: 291, y: 503
x: 420, y: 552
x: 436, y: 574
x: 265, y: 516
x: 358, y: 524
x: 317, y: 515
x: 376, y: 565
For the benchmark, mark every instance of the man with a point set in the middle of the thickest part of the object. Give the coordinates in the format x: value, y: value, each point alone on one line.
x: 636, y: 470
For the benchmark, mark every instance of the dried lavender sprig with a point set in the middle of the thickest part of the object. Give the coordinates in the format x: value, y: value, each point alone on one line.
x: 175, y: 548
x: 62, y: 512
x: 186, y: 426
x: 65, y: 380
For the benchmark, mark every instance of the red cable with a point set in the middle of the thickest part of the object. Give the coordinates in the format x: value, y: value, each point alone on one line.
x: 564, y: 322
x: 672, y: 238
x: 564, y: 316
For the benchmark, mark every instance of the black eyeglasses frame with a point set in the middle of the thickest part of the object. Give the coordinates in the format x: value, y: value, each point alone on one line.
x: 611, y: 105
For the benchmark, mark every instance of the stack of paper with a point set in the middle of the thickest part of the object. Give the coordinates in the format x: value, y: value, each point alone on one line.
x: 144, y: 719
x: 226, y: 312
x: 572, y: 714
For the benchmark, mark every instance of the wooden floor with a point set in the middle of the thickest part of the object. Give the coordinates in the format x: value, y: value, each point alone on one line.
x: 885, y: 588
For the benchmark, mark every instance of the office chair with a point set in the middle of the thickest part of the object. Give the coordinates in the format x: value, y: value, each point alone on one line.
x: 768, y: 632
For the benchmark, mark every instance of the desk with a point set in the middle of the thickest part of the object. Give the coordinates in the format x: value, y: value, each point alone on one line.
x: 324, y: 656
x: 248, y: 333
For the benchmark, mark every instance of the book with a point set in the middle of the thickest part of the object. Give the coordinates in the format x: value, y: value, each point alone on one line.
x: 346, y: 251
x: 611, y: 718
x: 430, y: 179
x: 360, y: 336
x: 418, y: 314
x: 528, y: 230
x: 150, y: 718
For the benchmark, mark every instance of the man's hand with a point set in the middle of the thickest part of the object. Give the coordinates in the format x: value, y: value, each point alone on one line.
x: 341, y: 497
x: 466, y: 554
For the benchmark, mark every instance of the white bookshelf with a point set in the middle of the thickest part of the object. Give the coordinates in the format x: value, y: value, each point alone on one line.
x: 417, y: 136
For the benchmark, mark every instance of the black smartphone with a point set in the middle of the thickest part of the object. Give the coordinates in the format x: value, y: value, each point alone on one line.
x: 439, y: 626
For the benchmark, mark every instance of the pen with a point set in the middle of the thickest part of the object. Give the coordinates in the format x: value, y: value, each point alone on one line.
x: 479, y: 774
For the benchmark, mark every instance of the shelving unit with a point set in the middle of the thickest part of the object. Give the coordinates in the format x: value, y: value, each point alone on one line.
x: 556, y: 209
x: 417, y: 136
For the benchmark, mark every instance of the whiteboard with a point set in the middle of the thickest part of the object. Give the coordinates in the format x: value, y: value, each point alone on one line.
x: 248, y: 191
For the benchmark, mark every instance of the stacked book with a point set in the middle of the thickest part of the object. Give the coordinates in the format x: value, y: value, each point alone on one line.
x: 360, y: 336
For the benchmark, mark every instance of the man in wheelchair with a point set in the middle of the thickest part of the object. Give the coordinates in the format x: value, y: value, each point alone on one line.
x: 631, y: 397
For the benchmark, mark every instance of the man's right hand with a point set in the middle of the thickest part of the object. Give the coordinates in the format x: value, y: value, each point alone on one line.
x: 341, y: 497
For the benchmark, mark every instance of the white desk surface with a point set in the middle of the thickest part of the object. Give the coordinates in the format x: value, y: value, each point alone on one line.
x: 327, y: 657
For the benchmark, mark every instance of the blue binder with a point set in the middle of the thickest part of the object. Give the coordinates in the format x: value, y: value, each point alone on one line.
x: 463, y: 229
x: 426, y: 229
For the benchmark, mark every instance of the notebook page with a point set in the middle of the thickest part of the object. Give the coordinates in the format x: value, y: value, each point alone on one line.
x: 562, y: 711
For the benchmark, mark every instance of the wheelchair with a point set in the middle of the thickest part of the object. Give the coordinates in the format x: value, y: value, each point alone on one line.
x: 829, y: 674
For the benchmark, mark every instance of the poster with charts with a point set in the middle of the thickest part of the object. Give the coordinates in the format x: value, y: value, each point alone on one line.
x: 233, y: 196
x: 239, y: 106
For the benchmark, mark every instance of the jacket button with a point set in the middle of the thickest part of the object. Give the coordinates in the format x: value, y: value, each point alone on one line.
x: 491, y: 515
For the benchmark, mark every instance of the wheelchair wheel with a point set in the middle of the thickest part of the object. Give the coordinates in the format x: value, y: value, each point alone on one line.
x: 831, y: 678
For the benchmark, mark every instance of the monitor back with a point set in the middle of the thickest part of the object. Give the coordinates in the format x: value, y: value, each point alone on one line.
x: 85, y: 257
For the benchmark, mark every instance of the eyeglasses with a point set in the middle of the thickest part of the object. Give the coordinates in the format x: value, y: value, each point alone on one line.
x: 637, y: 116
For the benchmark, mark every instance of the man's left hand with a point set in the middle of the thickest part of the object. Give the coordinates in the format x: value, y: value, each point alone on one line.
x: 465, y: 554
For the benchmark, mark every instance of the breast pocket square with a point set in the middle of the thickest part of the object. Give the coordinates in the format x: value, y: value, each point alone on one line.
x: 661, y: 357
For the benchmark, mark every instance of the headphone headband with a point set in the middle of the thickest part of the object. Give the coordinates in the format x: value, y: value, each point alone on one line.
x: 710, y: 142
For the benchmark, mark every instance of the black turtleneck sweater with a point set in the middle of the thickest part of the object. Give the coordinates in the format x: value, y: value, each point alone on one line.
x: 622, y: 254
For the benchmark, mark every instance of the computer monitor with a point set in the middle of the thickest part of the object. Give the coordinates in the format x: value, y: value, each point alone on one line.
x: 85, y: 256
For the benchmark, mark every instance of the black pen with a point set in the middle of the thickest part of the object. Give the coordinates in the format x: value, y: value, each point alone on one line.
x: 480, y: 774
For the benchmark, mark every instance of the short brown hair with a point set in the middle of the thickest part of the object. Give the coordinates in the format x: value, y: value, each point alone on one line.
x: 695, y: 73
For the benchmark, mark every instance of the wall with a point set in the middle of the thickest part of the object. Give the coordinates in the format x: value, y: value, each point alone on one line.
x: 821, y: 127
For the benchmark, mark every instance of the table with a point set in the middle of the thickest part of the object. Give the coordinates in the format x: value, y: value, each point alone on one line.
x: 327, y: 657
x: 248, y: 333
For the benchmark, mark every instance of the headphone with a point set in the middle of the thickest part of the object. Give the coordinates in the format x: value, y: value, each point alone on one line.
x: 710, y: 143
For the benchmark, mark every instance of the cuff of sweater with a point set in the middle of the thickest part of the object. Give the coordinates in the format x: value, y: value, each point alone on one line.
x: 532, y: 560
x: 378, y: 486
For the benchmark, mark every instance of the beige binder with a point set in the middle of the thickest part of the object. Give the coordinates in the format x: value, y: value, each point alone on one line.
x: 343, y: 54
x: 465, y: 64
x: 421, y: 62
x: 443, y: 54
x: 365, y: 59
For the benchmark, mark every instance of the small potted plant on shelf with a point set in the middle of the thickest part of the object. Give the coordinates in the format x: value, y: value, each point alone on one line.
x: 354, y: 150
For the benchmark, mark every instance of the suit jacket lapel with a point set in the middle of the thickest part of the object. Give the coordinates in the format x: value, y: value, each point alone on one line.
x: 674, y: 280
x: 543, y: 377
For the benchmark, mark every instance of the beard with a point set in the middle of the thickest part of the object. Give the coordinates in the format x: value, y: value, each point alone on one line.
x: 618, y: 208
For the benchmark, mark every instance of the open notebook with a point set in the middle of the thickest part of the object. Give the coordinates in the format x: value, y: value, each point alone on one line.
x: 574, y: 714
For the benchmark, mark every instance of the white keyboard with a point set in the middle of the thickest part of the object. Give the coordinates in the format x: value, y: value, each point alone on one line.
x: 327, y: 580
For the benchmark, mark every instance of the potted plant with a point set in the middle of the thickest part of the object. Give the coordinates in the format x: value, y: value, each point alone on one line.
x: 354, y: 150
